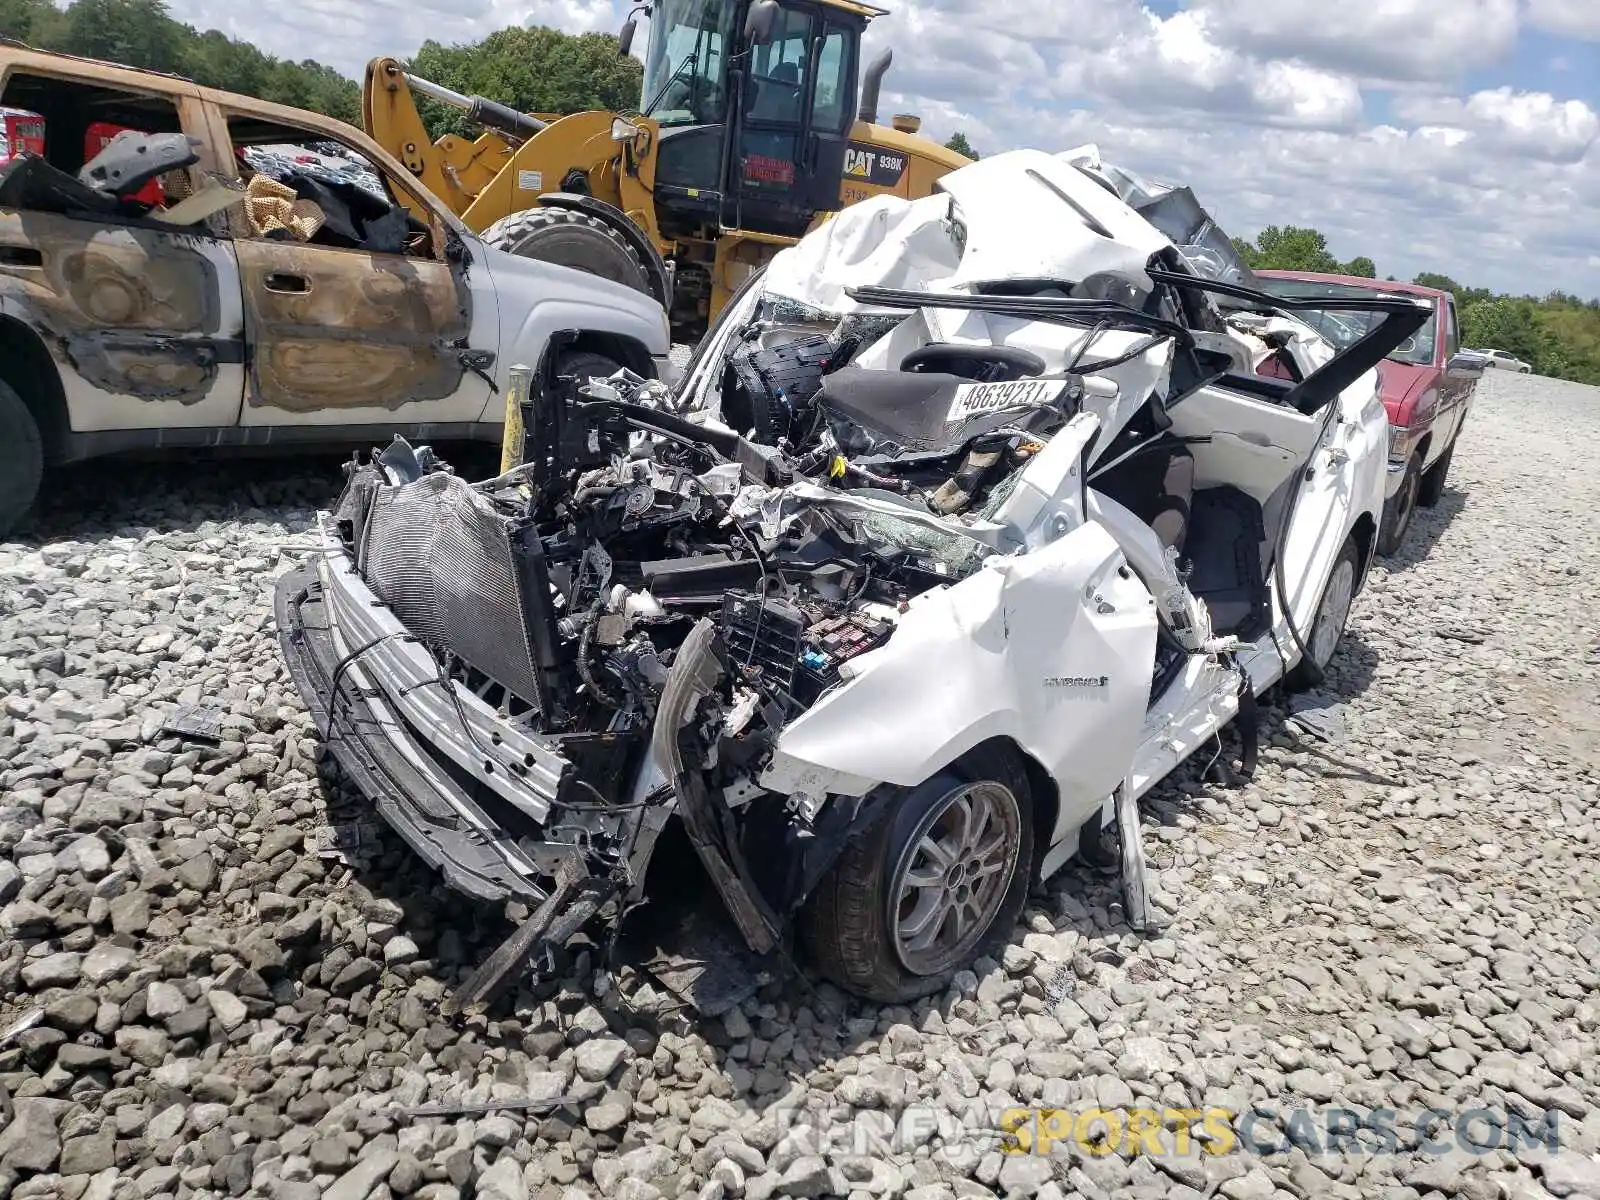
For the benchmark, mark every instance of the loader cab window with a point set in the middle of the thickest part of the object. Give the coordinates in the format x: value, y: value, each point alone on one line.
x: 835, y: 97
x: 685, y: 69
x: 778, y: 71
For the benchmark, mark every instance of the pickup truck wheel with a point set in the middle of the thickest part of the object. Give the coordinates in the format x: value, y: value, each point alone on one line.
x: 1432, y: 489
x: 573, y: 239
x: 1333, y: 615
x: 586, y: 364
x: 937, y: 882
x: 21, y: 459
x: 1397, y: 512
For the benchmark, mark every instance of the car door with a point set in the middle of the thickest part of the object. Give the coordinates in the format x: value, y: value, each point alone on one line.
x: 364, y: 322
x: 143, y: 316
x: 1458, y: 378
x: 767, y: 165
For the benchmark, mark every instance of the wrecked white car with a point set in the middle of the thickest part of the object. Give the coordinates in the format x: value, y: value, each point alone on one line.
x: 972, y: 518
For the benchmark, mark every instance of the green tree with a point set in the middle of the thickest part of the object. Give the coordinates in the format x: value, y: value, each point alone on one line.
x: 27, y: 20
x: 1290, y: 248
x: 1503, y: 324
x: 958, y: 142
x: 1360, y: 266
x: 138, y: 33
x: 1443, y: 282
x: 532, y: 70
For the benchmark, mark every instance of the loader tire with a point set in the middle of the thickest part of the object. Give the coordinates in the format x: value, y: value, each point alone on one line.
x: 21, y: 459
x: 573, y: 239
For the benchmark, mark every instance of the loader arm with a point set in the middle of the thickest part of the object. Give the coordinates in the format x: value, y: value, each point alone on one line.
x: 455, y: 169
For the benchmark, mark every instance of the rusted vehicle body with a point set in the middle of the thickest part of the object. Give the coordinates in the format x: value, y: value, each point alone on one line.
x: 212, y: 305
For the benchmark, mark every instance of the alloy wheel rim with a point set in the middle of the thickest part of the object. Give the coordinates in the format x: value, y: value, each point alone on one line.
x: 1334, y: 613
x: 954, y: 875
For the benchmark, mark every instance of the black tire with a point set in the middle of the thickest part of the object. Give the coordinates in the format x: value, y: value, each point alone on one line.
x: 21, y: 459
x: 1398, y: 511
x: 1312, y: 669
x: 847, y: 925
x: 1432, y: 489
x: 586, y: 364
x: 574, y: 239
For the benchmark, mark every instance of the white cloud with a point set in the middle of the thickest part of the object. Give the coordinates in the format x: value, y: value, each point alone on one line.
x: 1258, y: 104
x: 1571, y: 18
x: 1177, y: 63
x: 1531, y: 124
x: 1377, y: 39
x: 347, y: 33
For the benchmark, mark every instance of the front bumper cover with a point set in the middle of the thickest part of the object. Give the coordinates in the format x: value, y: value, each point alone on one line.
x: 349, y: 660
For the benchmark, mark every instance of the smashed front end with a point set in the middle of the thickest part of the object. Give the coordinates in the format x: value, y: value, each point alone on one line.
x: 529, y: 675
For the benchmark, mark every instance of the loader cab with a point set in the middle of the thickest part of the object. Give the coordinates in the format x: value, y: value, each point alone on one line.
x: 755, y: 99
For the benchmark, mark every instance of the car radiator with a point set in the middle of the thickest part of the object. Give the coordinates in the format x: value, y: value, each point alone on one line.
x: 440, y: 556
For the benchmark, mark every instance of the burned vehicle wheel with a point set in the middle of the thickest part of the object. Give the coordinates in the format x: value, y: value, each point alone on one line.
x: 1432, y: 489
x: 1333, y: 614
x: 21, y: 459
x: 1397, y: 513
x: 938, y: 882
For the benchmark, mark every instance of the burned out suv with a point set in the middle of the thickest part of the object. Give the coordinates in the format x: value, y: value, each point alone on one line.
x: 182, y: 267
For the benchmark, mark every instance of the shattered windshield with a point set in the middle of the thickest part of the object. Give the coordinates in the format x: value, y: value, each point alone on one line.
x: 1341, y: 326
x: 684, y: 70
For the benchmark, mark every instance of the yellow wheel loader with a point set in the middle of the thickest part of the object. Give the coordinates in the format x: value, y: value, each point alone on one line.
x: 756, y: 124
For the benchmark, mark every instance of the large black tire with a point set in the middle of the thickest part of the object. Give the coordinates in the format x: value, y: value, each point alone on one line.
x: 849, y: 923
x: 570, y: 238
x: 1398, y: 511
x: 586, y: 364
x: 1432, y: 489
x: 1333, y: 615
x: 21, y: 459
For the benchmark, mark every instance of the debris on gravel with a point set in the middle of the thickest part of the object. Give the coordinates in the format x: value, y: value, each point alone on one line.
x: 1398, y: 917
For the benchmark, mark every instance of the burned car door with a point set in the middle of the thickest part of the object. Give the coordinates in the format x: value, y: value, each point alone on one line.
x: 142, y: 319
x: 353, y: 311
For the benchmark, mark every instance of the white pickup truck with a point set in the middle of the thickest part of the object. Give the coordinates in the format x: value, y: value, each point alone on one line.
x: 213, y: 305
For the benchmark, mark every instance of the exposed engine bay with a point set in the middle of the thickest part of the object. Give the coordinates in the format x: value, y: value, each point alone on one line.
x: 924, y: 532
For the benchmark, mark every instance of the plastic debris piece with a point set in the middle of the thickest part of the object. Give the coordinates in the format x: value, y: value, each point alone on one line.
x: 200, y: 722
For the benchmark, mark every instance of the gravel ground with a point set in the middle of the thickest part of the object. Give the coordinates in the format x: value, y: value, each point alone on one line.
x: 1402, y: 917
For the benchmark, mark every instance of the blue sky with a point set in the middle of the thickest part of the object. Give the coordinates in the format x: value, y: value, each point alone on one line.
x: 1454, y: 135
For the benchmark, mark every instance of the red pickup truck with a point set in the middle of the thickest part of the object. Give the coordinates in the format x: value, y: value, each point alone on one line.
x: 1427, y: 385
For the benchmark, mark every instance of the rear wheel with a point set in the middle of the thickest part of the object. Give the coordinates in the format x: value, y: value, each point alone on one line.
x: 1432, y: 489
x: 573, y: 239
x: 1333, y: 615
x: 1398, y: 511
x: 21, y: 459
x: 938, y: 882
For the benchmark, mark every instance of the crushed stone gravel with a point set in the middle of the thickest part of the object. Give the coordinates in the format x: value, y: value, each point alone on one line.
x: 1399, y: 917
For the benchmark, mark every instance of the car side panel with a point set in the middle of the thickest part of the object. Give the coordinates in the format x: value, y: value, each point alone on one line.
x: 1053, y: 650
x: 145, y: 325
x: 369, y: 333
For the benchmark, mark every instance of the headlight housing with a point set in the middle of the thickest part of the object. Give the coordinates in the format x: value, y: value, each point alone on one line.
x: 1399, y: 440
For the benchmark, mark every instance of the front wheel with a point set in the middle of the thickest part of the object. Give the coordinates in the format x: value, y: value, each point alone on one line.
x: 1432, y: 489
x: 1398, y: 511
x: 1333, y: 615
x: 21, y: 459
x: 938, y: 882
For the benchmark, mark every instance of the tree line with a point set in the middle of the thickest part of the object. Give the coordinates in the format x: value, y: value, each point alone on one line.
x: 1559, y: 334
x: 533, y: 70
